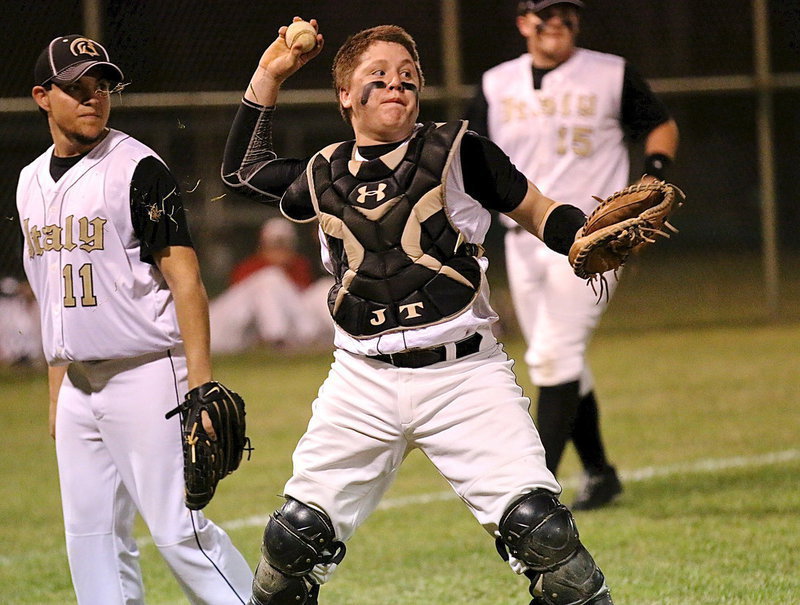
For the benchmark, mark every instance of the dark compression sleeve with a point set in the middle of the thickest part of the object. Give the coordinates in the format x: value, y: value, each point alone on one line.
x: 642, y: 110
x: 249, y: 165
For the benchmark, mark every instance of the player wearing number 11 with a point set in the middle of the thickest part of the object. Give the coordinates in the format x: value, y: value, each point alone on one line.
x: 125, y: 333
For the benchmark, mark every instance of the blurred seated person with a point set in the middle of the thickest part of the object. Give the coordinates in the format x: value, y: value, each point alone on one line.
x: 273, y: 298
x: 20, y: 330
x: 277, y: 247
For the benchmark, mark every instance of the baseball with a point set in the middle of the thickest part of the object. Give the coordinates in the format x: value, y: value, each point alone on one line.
x: 302, y: 34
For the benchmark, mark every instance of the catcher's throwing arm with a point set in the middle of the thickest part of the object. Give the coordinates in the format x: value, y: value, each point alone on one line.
x: 207, y: 460
x: 626, y: 219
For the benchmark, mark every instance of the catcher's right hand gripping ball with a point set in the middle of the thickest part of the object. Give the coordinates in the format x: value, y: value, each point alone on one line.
x: 624, y: 220
x: 207, y: 461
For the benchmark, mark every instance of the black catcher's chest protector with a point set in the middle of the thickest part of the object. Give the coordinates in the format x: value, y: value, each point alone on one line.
x: 399, y: 261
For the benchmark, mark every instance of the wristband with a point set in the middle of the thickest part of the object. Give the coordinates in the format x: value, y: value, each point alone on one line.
x: 561, y: 226
x: 656, y: 164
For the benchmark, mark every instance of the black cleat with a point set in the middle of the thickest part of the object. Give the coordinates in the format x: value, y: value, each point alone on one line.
x: 598, y: 489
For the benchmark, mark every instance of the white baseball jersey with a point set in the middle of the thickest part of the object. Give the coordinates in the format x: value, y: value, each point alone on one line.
x: 577, y: 149
x: 120, y: 307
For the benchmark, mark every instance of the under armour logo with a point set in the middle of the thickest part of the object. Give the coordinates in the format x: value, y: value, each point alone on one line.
x: 375, y: 189
x: 84, y: 46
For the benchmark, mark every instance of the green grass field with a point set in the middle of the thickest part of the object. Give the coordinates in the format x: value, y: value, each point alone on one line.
x: 700, y: 400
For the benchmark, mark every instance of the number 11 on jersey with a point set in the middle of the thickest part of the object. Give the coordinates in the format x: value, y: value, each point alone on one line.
x: 88, y: 298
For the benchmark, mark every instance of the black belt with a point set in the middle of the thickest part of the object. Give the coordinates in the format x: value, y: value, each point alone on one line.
x: 419, y: 358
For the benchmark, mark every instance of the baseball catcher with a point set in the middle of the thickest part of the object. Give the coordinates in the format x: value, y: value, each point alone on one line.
x: 623, y: 221
x: 212, y: 418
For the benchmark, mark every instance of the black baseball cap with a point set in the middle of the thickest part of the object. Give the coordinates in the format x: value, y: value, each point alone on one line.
x: 67, y: 58
x: 532, y: 6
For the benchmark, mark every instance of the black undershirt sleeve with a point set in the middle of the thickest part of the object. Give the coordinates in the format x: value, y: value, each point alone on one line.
x: 491, y: 178
x: 642, y: 110
x: 489, y: 175
x: 157, y: 210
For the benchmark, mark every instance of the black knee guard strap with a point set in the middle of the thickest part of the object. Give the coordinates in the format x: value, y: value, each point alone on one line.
x: 539, y: 530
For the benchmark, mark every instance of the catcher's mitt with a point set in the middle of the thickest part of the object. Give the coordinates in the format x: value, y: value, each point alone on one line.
x: 623, y: 221
x: 207, y: 461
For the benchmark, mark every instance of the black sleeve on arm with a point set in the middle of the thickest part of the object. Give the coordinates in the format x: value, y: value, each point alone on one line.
x: 489, y: 175
x: 249, y: 165
x: 478, y: 113
x: 642, y: 110
x: 157, y: 211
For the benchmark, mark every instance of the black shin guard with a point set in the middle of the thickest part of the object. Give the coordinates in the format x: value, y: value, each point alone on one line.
x: 577, y: 582
x: 272, y: 587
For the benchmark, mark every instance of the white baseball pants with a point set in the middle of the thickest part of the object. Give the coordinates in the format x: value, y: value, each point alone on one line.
x: 468, y: 416
x: 556, y: 311
x: 117, y: 456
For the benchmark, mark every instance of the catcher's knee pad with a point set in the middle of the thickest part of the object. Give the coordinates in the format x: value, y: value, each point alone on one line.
x: 296, y: 539
x: 540, y: 531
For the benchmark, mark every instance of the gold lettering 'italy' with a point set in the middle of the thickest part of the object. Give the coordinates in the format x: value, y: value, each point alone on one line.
x: 54, y: 238
x: 564, y: 104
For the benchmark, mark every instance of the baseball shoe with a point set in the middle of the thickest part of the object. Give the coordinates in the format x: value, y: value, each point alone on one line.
x: 598, y: 489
